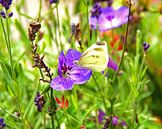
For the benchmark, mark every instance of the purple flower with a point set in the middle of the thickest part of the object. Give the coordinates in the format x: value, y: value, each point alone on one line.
x: 115, y: 120
x: 3, y: 14
x: 96, y: 10
x: 109, y: 2
x: 101, y: 116
x: 53, y: 1
x: 145, y: 46
x: 69, y: 72
x: 6, y: 3
x: 39, y: 101
x: 123, y: 123
x: 2, y: 124
x: 111, y: 64
x: 108, y: 18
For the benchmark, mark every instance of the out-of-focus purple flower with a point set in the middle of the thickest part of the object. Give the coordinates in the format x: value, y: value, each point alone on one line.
x: 10, y: 14
x: 101, y: 116
x: 111, y: 64
x: 6, y: 3
x: 96, y: 11
x: 115, y: 120
x: 145, y: 46
x: 2, y: 124
x: 53, y: 1
x: 108, y: 18
x: 3, y: 14
x: 69, y: 72
x: 123, y: 123
x: 39, y: 101
x: 109, y: 2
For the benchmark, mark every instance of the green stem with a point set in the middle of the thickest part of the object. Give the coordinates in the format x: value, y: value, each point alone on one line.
x: 9, y: 46
x: 135, y: 112
x: 125, y: 42
x: 55, y: 32
x: 40, y: 8
x: 52, y: 105
x: 58, y: 22
x: 8, y: 112
x: 4, y: 32
x: 102, y: 95
x: 87, y: 13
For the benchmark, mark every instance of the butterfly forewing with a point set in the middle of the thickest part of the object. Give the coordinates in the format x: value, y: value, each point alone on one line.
x: 95, y: 57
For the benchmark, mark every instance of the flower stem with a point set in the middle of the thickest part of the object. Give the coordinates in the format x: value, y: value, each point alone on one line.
x: 52, y: 105
x: 9, y: 48
x: 40, y: 8
x: 102, y: 95
x: 87, y: 14
x: 58, y: 23
x: 125, y: 42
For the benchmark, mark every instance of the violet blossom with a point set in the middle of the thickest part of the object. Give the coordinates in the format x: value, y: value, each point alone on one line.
x: 111, y: 64
x: 69, y: 73
x: 2, y: 124
x: 53, y: 1
x: 117, y: 121
x: 107, y: 18
x: 39, y: 101
x: 101, y: 116
x: 145, y: 46
x: 6, y: 4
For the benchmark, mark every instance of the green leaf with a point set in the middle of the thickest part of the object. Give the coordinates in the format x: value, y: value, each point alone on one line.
x: 74, y: 98
x: 89, y: 111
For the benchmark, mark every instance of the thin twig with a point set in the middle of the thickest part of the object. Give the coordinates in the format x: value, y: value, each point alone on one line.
x: 125, y: 42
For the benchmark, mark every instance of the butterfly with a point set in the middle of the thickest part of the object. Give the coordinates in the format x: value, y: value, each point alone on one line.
x: 95, y: 57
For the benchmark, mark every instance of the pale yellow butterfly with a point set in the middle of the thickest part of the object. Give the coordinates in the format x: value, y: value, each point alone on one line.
x: 95, y: 57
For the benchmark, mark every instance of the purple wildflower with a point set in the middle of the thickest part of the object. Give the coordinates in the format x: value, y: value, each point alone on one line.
x: 2, y: 124
x: 108, y: 18
x: 6, y: 3
x: 2, y: 13
x: 101, y: 116
x: 69, y: 72
x: 39, y: 101
x: 109, y: 2
x: 123, y: 123
x: 111, y: 64
x: 53, y: 1
x: 115, y: 120
x: 145, y: 46
x: 96, y: 11
x: 10, y: 14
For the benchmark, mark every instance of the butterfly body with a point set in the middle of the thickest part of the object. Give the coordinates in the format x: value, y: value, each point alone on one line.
x: 95, y: 57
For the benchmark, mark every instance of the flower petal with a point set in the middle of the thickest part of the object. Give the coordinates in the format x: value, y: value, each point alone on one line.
x: 110, y: 18
x: 80, y: 75
x: 62, y: 83
x: 101, y: 116
x: 124, y: 123
x: 115, y: 120
x: 71, y: 56
x: 61, y: 62
x: 111, y: 64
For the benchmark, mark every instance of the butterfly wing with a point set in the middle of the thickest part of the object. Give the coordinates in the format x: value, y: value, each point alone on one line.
x: 95, y: 57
